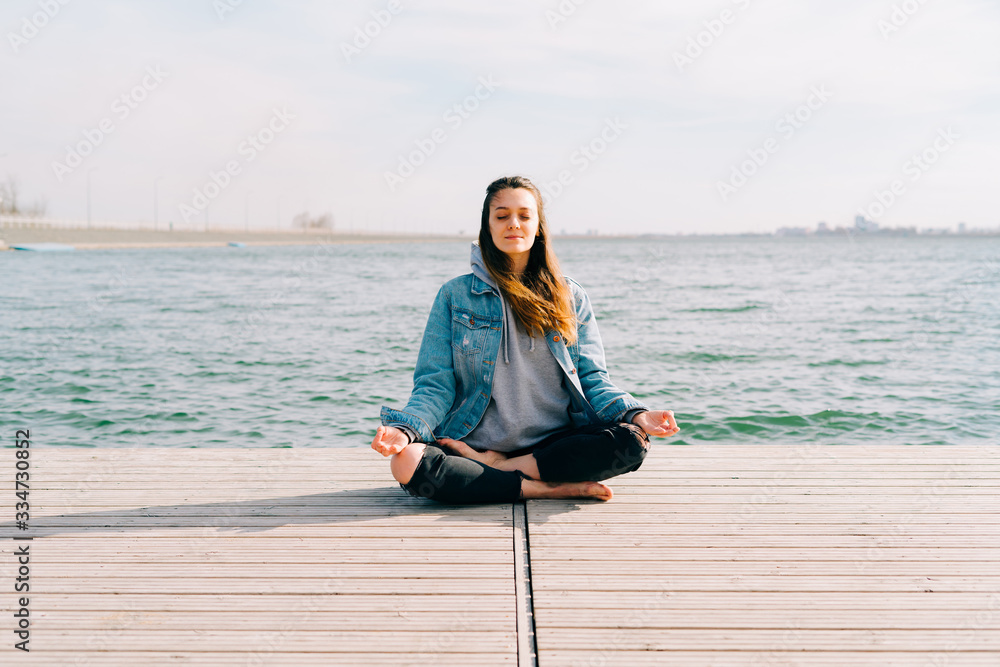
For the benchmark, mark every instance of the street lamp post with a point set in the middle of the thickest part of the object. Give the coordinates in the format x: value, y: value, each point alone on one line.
x: 156, y: 202
x: 88, y: 194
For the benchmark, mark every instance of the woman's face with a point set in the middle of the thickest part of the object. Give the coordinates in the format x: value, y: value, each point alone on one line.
x: 514, y: 223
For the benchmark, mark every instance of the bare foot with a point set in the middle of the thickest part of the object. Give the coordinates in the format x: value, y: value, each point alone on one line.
x: 531, y: 488
x: 488, y: 458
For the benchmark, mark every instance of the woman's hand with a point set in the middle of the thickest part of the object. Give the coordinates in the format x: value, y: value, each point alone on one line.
x: 389, y: 440
x: 659, y: 423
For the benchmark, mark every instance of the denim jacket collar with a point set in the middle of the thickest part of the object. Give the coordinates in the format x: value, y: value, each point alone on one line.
x: 480, y: 286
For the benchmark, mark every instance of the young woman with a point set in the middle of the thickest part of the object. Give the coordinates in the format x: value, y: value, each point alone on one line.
x: 511, y: 397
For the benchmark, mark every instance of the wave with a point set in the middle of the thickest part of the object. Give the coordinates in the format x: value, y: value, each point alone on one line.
x: 736, y: 309
x: 846, y: 362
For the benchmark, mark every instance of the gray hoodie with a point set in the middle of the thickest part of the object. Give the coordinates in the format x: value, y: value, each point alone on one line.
x: 529, y: 400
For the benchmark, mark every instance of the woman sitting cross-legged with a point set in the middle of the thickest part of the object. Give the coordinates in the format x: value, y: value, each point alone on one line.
x: 511, y: 397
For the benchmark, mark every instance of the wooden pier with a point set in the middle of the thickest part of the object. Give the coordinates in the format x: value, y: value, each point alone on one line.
x: 707, y: 556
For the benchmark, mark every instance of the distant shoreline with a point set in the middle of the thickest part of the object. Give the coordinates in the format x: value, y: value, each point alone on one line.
x: 97, y: 239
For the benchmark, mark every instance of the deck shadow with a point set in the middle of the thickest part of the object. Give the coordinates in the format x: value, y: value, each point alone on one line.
x: 262, y: 514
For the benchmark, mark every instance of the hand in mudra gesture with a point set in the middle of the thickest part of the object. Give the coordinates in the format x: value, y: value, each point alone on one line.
x: 658, y: 423
x: 389, y: 440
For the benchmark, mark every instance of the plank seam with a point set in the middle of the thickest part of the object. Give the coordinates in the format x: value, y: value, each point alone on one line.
x: 527, y: 650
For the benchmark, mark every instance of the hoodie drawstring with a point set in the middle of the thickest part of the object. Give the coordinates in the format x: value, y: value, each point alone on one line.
x: 504, y: 334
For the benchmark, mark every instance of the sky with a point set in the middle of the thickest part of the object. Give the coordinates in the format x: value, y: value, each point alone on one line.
x: 730, y: 116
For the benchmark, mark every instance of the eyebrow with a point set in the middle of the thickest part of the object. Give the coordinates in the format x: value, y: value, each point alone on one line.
x: 523, y: 208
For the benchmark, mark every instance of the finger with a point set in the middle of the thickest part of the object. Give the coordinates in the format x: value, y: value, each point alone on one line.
x: 670, y: 418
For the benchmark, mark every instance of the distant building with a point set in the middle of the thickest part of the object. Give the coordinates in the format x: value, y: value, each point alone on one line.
x: 791, y: 231
x: 862, y: 224
x: 822, y: 228
x: 961, y: 228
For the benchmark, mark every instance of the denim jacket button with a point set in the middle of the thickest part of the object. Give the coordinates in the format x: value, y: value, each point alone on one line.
x: 556, y: 339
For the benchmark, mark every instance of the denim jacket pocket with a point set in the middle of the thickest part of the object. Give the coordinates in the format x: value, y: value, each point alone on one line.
x: 468, y: 331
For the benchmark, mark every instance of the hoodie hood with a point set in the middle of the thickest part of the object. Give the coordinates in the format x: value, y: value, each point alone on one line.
x: 480, y: 271
x: 479, y: 267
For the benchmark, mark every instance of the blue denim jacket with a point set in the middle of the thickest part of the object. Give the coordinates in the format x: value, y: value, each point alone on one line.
x: 452, y: 380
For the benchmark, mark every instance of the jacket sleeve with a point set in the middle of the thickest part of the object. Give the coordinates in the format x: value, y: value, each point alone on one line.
x: 609, y: 402
x: 433, y: 376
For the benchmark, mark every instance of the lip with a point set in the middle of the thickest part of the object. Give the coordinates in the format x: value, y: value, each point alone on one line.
x: 513, y: 237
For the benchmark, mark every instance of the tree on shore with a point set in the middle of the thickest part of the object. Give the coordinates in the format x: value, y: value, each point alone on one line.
x: 305, y: 221
x: 10, y: 206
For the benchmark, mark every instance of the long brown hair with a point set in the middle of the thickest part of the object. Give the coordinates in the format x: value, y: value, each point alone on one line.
x: 539, y: 297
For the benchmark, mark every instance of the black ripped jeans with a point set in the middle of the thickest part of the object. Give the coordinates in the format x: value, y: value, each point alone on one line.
x: 589, y: 453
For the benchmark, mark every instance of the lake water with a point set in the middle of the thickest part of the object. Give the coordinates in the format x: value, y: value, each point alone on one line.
x: 749, y: 340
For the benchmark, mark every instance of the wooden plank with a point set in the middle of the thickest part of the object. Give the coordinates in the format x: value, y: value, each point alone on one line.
x: 752, y: 582
x: 623, y: 503
x: 777, y: 566
x: 453, y: 639
x: 755, y: 602
x: 281, y: 654
x: 392, y: 606
x: 573, y: 542
x: 773, y: 517
x: 742, y: 527
x: 778, y: 655
x: 501, y: 586
x: 768, y: 617
x: 191, y: 568
x: 196, y: 542
x: 68, y: 552
x: 193, y: 529
x: 602, y: 553
x: 332, y: 522
x: 762, y: 639
x: 303, y: 618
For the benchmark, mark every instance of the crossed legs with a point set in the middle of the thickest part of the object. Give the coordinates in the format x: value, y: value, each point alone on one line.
x: 570, y: 464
